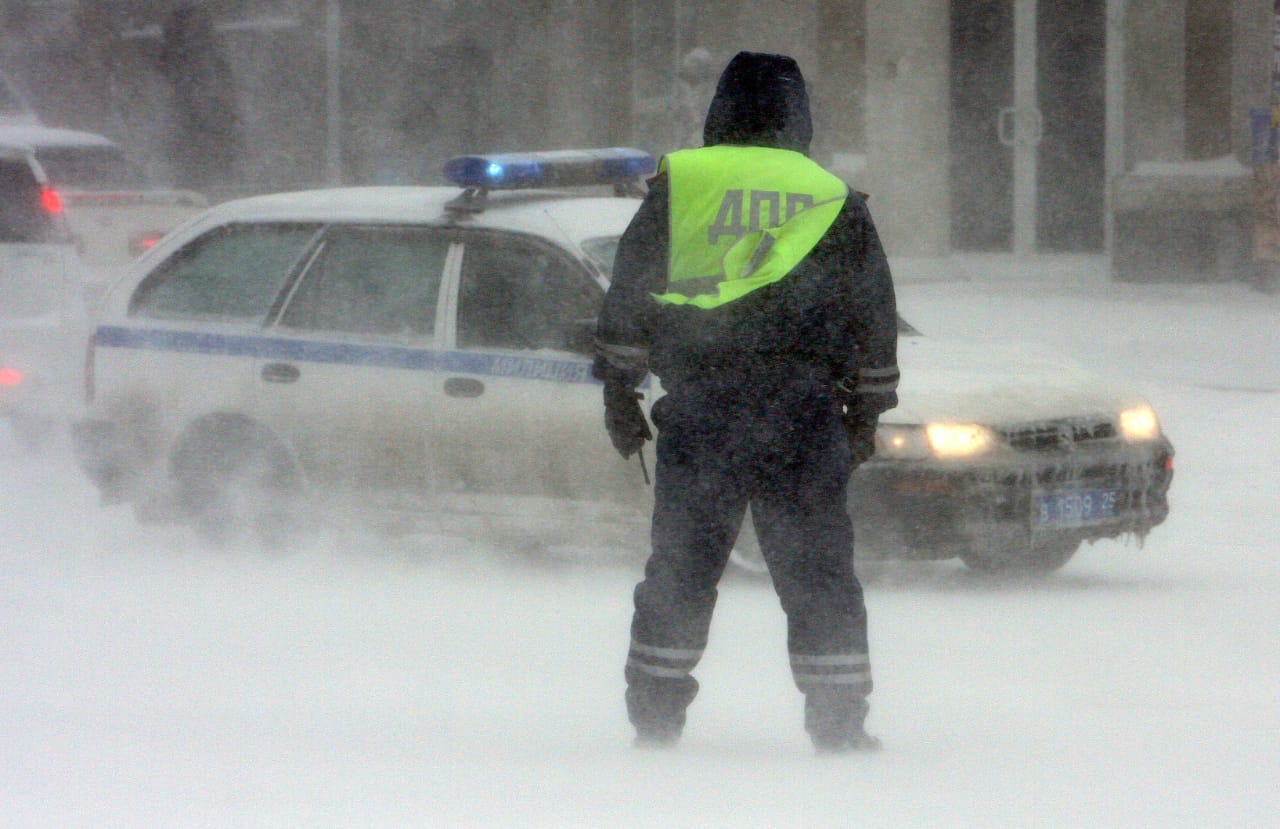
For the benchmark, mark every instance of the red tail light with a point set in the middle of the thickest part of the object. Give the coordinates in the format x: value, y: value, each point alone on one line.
x: 50, y: 200
x: 10, y: 377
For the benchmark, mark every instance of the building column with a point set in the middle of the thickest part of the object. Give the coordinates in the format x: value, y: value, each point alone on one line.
x: 907, y: 117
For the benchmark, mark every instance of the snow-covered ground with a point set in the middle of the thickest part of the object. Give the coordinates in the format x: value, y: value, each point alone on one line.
x: 147, y: 681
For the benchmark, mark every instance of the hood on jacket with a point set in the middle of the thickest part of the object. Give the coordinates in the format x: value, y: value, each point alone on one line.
x: 760, y: 101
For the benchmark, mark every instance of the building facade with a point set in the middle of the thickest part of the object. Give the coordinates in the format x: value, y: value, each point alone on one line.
x: 1026, y: 126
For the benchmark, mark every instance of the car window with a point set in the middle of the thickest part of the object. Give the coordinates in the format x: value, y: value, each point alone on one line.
x: 518, y: 294
x: 23, y: 218
x: 233, y: 272
x: 372, y: 281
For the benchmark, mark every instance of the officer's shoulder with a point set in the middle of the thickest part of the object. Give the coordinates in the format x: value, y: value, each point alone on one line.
x: 855, y: 205
x: 856, y: 194
x: 658, y: 181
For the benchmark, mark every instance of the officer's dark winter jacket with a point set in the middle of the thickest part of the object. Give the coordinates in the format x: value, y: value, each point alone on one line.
x: 833, y: 317
x: 754, y: 416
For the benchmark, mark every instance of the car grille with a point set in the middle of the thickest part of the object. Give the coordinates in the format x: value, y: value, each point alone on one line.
x: 1058, y: 435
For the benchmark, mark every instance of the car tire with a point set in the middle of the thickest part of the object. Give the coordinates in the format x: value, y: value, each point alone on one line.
x: 1036, y: 558
x: 237, y: 484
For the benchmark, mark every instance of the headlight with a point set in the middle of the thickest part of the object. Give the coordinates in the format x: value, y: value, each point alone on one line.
x: 902, y: 442
x: 936, y: 440
x: 1139, y: 423
x: 959, y: 440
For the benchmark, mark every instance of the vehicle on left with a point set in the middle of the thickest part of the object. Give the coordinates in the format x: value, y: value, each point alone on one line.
x: 113, y: 210
x: 43, y: 324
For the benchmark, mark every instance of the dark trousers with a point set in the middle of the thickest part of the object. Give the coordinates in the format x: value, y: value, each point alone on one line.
x: 787, y: 456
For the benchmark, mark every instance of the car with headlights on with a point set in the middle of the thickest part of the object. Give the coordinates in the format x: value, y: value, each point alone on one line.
x: 422, y: 355
x: 1008, y: 456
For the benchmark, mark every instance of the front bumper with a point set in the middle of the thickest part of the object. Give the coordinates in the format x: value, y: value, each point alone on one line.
x: 936, y: 510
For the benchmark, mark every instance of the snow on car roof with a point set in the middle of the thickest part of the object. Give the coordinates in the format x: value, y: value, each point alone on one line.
x: 36, y: 135
x: 541, y: 212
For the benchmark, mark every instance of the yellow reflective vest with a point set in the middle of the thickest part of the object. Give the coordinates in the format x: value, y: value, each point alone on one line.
x: 742, y: 218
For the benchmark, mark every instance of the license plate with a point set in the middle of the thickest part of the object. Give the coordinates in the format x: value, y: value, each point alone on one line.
x: 1076, y: 507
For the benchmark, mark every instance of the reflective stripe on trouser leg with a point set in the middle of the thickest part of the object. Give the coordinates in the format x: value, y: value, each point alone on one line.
x: 851, y: 671
x: 662, y: 663
x: 660, y: 688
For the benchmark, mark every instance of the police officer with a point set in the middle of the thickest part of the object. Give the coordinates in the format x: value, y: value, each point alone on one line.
x: 753, y: 284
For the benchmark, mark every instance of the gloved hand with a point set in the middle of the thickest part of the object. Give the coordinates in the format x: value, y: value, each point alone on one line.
x: 624, y: 420
x: 862, y: 438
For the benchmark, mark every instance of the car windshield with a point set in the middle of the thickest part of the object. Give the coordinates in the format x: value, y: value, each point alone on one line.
x: 602, y: 251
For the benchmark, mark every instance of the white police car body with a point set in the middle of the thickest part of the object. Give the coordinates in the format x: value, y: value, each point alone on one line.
x: 427, y: 352
x: 416, y: 349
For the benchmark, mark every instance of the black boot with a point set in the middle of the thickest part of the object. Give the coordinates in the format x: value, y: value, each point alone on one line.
x: 856, y: 739
x: 835, y: 718
x: 656, y: 707
x: 649, y: 737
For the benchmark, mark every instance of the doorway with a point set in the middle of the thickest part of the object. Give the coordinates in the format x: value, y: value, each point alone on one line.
x: 1028, y: 125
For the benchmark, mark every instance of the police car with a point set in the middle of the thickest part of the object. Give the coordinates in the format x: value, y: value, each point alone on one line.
x: 423, y: 355
x: 421, y: 352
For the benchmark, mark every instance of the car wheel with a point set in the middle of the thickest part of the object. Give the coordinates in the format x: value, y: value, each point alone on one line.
x: 1038, y: 557
x: 236, y: 483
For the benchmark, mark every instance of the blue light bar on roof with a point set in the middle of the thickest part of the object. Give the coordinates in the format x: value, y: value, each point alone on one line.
x: 554, y: 168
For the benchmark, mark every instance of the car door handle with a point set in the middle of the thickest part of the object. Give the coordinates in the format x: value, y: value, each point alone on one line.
x: 463, y: 387
x: 280, y: 372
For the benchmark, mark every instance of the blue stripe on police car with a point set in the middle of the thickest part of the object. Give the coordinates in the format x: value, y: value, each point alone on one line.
x: 310, y: 351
